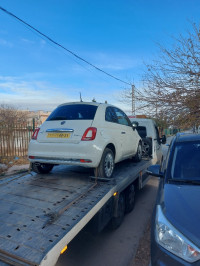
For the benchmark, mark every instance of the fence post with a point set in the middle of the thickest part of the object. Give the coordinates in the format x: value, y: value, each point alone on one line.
x: 33, y: 124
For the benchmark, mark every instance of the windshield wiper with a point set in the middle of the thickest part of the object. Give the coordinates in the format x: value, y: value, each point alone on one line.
x: 186, y: 181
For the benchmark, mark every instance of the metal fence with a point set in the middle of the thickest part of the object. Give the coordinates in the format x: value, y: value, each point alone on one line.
x: 14, y: 140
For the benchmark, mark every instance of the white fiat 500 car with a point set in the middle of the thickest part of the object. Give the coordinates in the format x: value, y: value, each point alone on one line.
x: 91, y: 134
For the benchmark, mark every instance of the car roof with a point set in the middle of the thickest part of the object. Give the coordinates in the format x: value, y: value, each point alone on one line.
x: 141, y: 119
x: 187, y: 137
x: 70, y: 103
x: 88, y: 103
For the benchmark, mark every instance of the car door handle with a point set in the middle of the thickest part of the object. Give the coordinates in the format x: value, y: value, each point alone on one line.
x: 123, y: 132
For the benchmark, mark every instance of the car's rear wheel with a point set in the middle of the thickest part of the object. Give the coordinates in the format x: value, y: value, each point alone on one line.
x: 129, y: 198
x: 118, y: 218
x: 107, y: 164
x: 138, y: 156
x: 42, y: 168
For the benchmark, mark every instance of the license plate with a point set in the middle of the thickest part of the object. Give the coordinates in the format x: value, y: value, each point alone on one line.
x: 59, y: 135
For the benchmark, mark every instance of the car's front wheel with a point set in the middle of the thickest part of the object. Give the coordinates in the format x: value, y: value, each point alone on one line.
x: 107, y: 163
x: 42, y: 168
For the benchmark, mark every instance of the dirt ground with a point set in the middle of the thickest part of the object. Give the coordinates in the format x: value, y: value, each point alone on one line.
x: 142, y: 257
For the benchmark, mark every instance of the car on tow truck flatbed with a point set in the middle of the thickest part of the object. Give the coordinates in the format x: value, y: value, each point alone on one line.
x: 93, y: 135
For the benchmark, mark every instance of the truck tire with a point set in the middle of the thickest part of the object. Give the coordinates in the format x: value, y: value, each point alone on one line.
x: 107, y: 164
x: 146, y: 147
x: 129, y: 198
x: 42, y: 168
x: 116, y: 221
x: 138, y: 156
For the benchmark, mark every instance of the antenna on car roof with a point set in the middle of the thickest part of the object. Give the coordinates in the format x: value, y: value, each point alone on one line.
x: 80, y: 97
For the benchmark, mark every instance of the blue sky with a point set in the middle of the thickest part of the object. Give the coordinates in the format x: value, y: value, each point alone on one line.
x: 116, y: 36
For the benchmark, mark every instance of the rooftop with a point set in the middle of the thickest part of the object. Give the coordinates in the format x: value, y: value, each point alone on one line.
x: 183, y: 137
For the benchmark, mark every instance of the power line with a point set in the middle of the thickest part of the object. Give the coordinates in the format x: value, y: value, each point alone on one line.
x: 61, y: 46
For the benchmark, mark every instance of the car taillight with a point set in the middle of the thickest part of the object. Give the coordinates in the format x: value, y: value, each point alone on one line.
x: 89, y: 134
x: 35, y: 133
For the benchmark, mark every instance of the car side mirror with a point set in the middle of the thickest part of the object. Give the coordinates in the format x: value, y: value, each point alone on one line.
x: 163, y: 139
x: 154, y: 170
x: 135, y: 125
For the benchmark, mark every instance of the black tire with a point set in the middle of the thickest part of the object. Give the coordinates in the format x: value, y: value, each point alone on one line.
x: 116, y: 221
x: 42, y: 168
x: 146, y: 147
x: 106, y: 165
x: 138, y: 156
x: 129, y: 198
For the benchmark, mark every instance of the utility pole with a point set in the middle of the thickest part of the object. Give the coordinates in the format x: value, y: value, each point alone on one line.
x: 133, y: 99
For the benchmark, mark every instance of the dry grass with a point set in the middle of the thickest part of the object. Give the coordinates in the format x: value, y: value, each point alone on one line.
x: 9, y: 162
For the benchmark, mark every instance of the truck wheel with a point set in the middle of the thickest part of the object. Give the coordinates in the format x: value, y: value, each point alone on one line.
x: 129, y: 198
x: 146, y: 147
x: 42, y: 168
x: 107, y: 163
x: 138, y: 156
x: 116, y: 221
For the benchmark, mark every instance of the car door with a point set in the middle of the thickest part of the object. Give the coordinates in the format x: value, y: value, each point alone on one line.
x: 129, y: 137
x: 113, y: 131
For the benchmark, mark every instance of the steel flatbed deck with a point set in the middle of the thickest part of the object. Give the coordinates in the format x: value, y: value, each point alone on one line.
x: 41, y: 214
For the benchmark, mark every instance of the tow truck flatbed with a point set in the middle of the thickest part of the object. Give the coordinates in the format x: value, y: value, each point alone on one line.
x: 41, y: 214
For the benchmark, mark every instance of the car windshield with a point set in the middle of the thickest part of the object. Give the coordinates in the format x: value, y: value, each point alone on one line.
x: 186, y: 161
x: 74, y: 112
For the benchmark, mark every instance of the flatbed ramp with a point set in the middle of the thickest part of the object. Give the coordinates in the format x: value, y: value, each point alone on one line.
x: 41, y: 214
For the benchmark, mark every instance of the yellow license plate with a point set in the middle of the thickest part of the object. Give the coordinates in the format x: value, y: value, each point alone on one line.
x: 58, y: 135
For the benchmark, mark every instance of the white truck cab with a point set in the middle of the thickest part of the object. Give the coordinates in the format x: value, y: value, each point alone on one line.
x: 148, y: 131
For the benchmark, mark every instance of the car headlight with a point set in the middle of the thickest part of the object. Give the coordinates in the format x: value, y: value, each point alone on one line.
x: 171, y: 239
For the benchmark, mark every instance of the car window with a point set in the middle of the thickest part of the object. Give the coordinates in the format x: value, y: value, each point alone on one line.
x: 73, y: 112
x: 122, y: 117
x: 110, y: 115
x: 142, y: 131
x: 186, y: 161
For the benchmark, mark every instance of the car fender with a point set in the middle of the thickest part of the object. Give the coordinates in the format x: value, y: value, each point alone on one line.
x: 106, y: 140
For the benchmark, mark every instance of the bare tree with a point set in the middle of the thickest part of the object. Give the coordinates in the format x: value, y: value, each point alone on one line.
x: 171, y: 84
x: 11, y: 116
x: 173, y: 81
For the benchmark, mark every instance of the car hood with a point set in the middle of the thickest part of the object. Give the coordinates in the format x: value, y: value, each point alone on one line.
x: 182, y: 209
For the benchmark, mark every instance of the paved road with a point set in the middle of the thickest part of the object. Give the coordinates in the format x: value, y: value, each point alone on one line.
x: 113, y: 247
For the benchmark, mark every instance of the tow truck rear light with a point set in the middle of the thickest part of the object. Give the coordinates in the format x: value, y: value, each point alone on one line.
x: 35, y: 133
x: 63, y: 250
x: 89, y: 134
